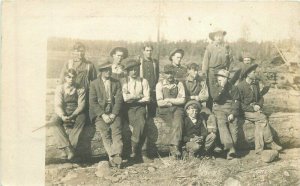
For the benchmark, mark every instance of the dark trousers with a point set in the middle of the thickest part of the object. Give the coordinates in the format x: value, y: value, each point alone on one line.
x: 111, y: 135
x: 137, y: 119
x: 263, y: 132
x: 228, y: 130
x: 207, y: 145
x: 59, y: 131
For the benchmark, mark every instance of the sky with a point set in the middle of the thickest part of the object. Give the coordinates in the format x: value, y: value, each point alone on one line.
x: 179, y: 20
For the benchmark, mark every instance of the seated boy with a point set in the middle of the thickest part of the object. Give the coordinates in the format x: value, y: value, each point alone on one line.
x: 197, y: 136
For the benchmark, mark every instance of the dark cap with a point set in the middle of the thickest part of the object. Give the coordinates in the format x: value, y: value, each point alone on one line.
x: 131, y: 63
x: 193, y: 102
x: 168, y: 69
x: 247, y: 69
x: 105, y: 65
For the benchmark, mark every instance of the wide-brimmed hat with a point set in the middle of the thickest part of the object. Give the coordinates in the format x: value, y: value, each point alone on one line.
x: 104, y: 65
x: 131, y: 63
x: 176, y: 50
x: 212, y: 34
x: 223, y: 73
x: 192, y: 102
x: 247, y: 69
x: 123, y: 49
x: 168, y: 69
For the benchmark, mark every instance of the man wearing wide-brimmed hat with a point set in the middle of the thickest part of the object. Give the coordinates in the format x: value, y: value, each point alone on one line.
x: 226, y: 102
x: 86, y: 71
x: 105, y: 103
x: 179, y: 70
x: 199, y: 135
x: 217, y: 56
x: 136, y: 94
x: 170, y: 95
x: 118, y: 54
x: 252, y: 104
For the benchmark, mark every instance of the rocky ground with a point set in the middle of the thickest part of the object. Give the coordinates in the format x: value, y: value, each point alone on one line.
x: 249, y: 169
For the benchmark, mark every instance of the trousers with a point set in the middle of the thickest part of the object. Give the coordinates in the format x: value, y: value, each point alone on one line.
x: 208, y: 144
x: 64, y: 139
x: 262, y: 132
x: 111, y: 135
x: 228, y: 131
x: 137, y: 119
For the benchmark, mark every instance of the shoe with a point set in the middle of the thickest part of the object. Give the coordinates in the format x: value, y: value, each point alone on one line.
x: 231, y: 154
x: 217, y: 150
x: 117, y: 161
x: 70, y: 153
x: 274, y: 146
x: 174, y: 150
x: 146, y: 159
x: 63, y: 154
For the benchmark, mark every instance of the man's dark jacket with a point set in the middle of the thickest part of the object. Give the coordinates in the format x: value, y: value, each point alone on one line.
x: 97, y: 97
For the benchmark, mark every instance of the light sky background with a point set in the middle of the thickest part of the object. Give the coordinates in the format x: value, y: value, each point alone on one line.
x: 138, y: 20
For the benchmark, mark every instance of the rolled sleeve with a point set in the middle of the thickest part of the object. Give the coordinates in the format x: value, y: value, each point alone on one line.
x: 159, y: 91
x: 146, y: 91
x: 181, y: 90
x: 58, y: 101
x: 81, y: 101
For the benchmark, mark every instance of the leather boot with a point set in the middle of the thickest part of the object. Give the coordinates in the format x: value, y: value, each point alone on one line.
x: 174, y: 150
x: 274, y: 146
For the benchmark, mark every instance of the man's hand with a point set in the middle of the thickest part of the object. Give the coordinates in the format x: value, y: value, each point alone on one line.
x: 197, y: 139
x: 230, y: 117
x: 256, y: 108
x: 65, y: 118
x: 106, y: 118
x: 166, y: 102
x: 112, y: 117
x: 195, y: 98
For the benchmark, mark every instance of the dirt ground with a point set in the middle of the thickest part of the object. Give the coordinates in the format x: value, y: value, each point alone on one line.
x: 248, y: 169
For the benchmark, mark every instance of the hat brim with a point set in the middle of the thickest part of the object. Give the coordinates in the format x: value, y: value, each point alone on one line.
x: 222, y: 76
x: 131, y: 66
x: 212, y: 34
x: 248, y: 70
x: 174, y: 52
x: 192, y: 102
x: 123, y: 49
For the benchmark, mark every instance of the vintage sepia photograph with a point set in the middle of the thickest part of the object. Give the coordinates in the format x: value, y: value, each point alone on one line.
x: 169, y: 92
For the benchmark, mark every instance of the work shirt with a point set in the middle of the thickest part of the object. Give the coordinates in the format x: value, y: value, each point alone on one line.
x: 180, y: 72
x: 216, y: 56
x: 196, y: 87
x: 149, y: 69
x: 250, y: 95
x: 228, y: 94
x: 193, y: 127
x: 69, y: 100
x: 135, y: 87
x: 164, y: 89
x: 86, y: 72
x: 117, y: 71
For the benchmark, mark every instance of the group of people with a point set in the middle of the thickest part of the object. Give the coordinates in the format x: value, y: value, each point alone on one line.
x: 132, y: 90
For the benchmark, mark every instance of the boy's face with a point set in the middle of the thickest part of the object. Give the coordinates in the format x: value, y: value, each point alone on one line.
x: 169, y: 77
x: 247, y: 60
x: 192, y: 111
x: 148, y: 52
x: 176, y: 58
x: 222, y: 80
x: 219, y: 38
x: 118, y: 56
x: 70, y: 79
x: 192, y: 72
x: 106, y: 73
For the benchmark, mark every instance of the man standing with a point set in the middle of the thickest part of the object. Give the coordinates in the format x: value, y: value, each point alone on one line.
x: 86, y: 71
x: 105, y: 103
x: 252, y: 103
x: 69, y: 105
x: 118, y: 54
x: 149, y: 69
x: 226, y: 108
x: 175, y: 57
x: 136, y: 94
x: 170, y: 95
x: 217, y: 56
x: 198, y: 136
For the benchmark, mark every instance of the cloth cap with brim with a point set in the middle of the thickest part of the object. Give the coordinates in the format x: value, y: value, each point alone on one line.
x: 173, y: 52
x: 247, y: 69
x: 168, y: 69
x: 223, y: 73
x: 105, y: 65
x: 131, y: 63
x: 192, y: 102
x: 123, y: 49
x: 212, y: 34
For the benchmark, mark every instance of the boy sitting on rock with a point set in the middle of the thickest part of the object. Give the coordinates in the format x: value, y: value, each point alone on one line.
x: 199, y: 136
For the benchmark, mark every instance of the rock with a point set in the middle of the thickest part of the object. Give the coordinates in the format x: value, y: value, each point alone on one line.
x: 232, y: 182
x: 133, y: 172
x: 151, y: 169
x: 268, y: 156
x: 103, y: 169
x: 112, y: 178
x: 286, y: 173
x: 69, y: 176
